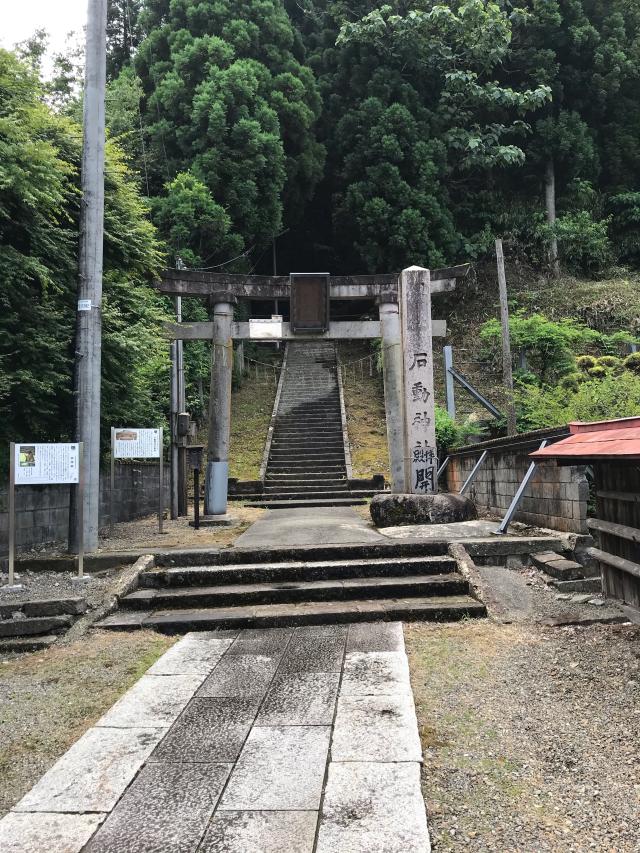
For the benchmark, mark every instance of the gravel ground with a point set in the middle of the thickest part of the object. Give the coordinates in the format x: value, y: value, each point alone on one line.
x: 143, y: 533
x: 530, y: 735
x: 48, y: 699
x: 39, y: 585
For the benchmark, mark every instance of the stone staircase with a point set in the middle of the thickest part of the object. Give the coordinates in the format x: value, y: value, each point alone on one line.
x: 244, y: 588
x: 306, y: 464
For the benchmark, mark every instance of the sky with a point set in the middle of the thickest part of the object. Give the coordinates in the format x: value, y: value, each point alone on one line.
x: 19, y: 19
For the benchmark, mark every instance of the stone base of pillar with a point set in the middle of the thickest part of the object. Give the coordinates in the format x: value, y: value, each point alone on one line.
x: 215, y: 488
x: 225, y: 520
x: 391, y: 510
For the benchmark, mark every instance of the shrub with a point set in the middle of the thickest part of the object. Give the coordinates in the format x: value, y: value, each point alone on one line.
x: 571, y: 381
x: 594, y: 400
x: 446, y: 430
x: 549, y: 344
x: 632, y: 362
x: 586, y: 362
x: 609, y: 361
x: 597, y: 371
x: 583, y: 243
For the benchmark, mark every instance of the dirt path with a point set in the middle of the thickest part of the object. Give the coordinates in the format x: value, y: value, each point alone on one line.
x: 48, y: 699
x: 530, y: 735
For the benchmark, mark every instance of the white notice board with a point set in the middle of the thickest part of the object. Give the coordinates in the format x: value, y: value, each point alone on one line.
x: 266, y: 330
x: 37, y: 464
x: 133, y: 443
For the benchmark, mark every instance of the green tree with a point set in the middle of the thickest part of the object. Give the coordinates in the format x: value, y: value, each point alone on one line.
x: 227, y: 99
x: 414, y: 120
x: 40, y: 153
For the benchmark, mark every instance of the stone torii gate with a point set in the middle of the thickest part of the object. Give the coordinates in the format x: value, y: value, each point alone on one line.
x: 405, y: 327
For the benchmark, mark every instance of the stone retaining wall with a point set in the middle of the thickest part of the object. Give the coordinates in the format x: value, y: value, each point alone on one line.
x: 557, y: 497
x: 42, y: 512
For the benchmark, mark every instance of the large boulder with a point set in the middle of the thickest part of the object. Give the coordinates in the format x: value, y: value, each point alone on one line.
x: 390, y: 510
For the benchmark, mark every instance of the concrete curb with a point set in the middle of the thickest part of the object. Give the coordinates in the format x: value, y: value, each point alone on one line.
x: 343, y: 418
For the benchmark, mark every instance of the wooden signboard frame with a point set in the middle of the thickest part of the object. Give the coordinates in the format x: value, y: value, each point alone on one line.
x: 307, y: 288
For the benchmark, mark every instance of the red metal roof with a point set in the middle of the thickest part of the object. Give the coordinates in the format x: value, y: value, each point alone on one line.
x: 616, y: 439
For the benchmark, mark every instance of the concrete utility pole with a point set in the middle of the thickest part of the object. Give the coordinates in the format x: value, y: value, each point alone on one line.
x: 217, y: 474
x: 507, y: 373
x: 88, y: 354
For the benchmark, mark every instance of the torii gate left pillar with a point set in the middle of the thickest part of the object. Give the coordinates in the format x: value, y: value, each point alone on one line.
x: 217, y: 473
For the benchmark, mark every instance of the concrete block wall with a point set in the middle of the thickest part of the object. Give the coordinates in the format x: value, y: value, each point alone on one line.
x: 42, y: 512
x: 557, y: 497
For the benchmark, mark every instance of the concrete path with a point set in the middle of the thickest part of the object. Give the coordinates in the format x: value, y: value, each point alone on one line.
x: 313, y: 526
x: 294, y: 740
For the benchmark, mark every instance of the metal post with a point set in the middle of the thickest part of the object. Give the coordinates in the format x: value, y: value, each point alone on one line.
x: 112, y: 480
x: 513, y: 506
x: 507, y: 371
x: 474, y: 472
x: 88, y: 344
x: 443, y: 467
x: 12, y: 513
x: 81, y: 492
x: 217, y: 474
x: 161, y: 482
x: 449, y: 383
x: 392, y: 357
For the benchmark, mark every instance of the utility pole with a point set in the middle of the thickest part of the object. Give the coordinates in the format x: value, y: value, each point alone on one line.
x: 507, y: 372
x: 88, y: 345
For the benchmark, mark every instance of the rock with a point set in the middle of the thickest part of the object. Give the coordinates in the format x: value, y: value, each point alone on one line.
x: 390, y: 510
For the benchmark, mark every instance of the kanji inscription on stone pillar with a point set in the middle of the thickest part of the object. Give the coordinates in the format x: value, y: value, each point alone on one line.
x: 415, y: 307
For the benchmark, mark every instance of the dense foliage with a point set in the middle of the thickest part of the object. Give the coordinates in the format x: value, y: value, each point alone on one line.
x: 39, y: 213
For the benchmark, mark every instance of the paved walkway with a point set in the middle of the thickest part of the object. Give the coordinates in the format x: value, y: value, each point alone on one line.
x: 293, y: 740
x: 312, y: 526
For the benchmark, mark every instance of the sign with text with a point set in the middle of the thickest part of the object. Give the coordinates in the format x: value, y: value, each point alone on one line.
x: 265, y: 330
x: 40, y: 464
x: 132, y: 443
x: 415, y: 309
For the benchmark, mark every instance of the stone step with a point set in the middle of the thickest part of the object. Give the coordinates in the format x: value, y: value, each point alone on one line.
x: 317, y: 488
x: 305, y: 503
x: 235, y: 595
x: 289, y: 483
x: 591, y: 585
x: 342, y: 564
x: 34, y: 625
x: 282, y: 496
x: 557, y: 566
x: 15, y: 645
x: 315, y: 476
x: 301, y: 441
x: 432, y: 609
x: 216, y: 558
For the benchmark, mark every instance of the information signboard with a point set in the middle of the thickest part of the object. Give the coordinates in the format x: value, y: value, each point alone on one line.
x: 132, y: 443
x: 33, y: 464
x: 39, y: 464
x: 266, y: 330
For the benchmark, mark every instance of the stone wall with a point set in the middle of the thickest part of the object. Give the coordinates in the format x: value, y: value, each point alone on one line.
x: 42, y: 512
x: 557, y: 496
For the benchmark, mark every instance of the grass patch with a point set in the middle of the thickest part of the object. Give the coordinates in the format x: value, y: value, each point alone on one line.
x: 366, y: 420
x: 49, y: 699
x: 251, y: 410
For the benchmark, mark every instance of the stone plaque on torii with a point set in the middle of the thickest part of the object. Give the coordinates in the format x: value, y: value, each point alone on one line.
x: 405, y: 327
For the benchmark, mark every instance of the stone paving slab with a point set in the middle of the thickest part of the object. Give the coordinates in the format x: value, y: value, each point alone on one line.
x: 244, y: 730
x: 300, y: 699
x: 240, y: 675
x: 373, y: 808
x: 375, y: 637
x: 209, y: 730
x: 270, y: 641
x: 321, y: 653
x: 197, y: 654
x: 261, y: 832
x: 153, y: 702
x: 92, y: 775
x: 47, y: 833
x: 375, y: 674
x: 167, y: 808
x: 279, y: 769
x: 376, y: 728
